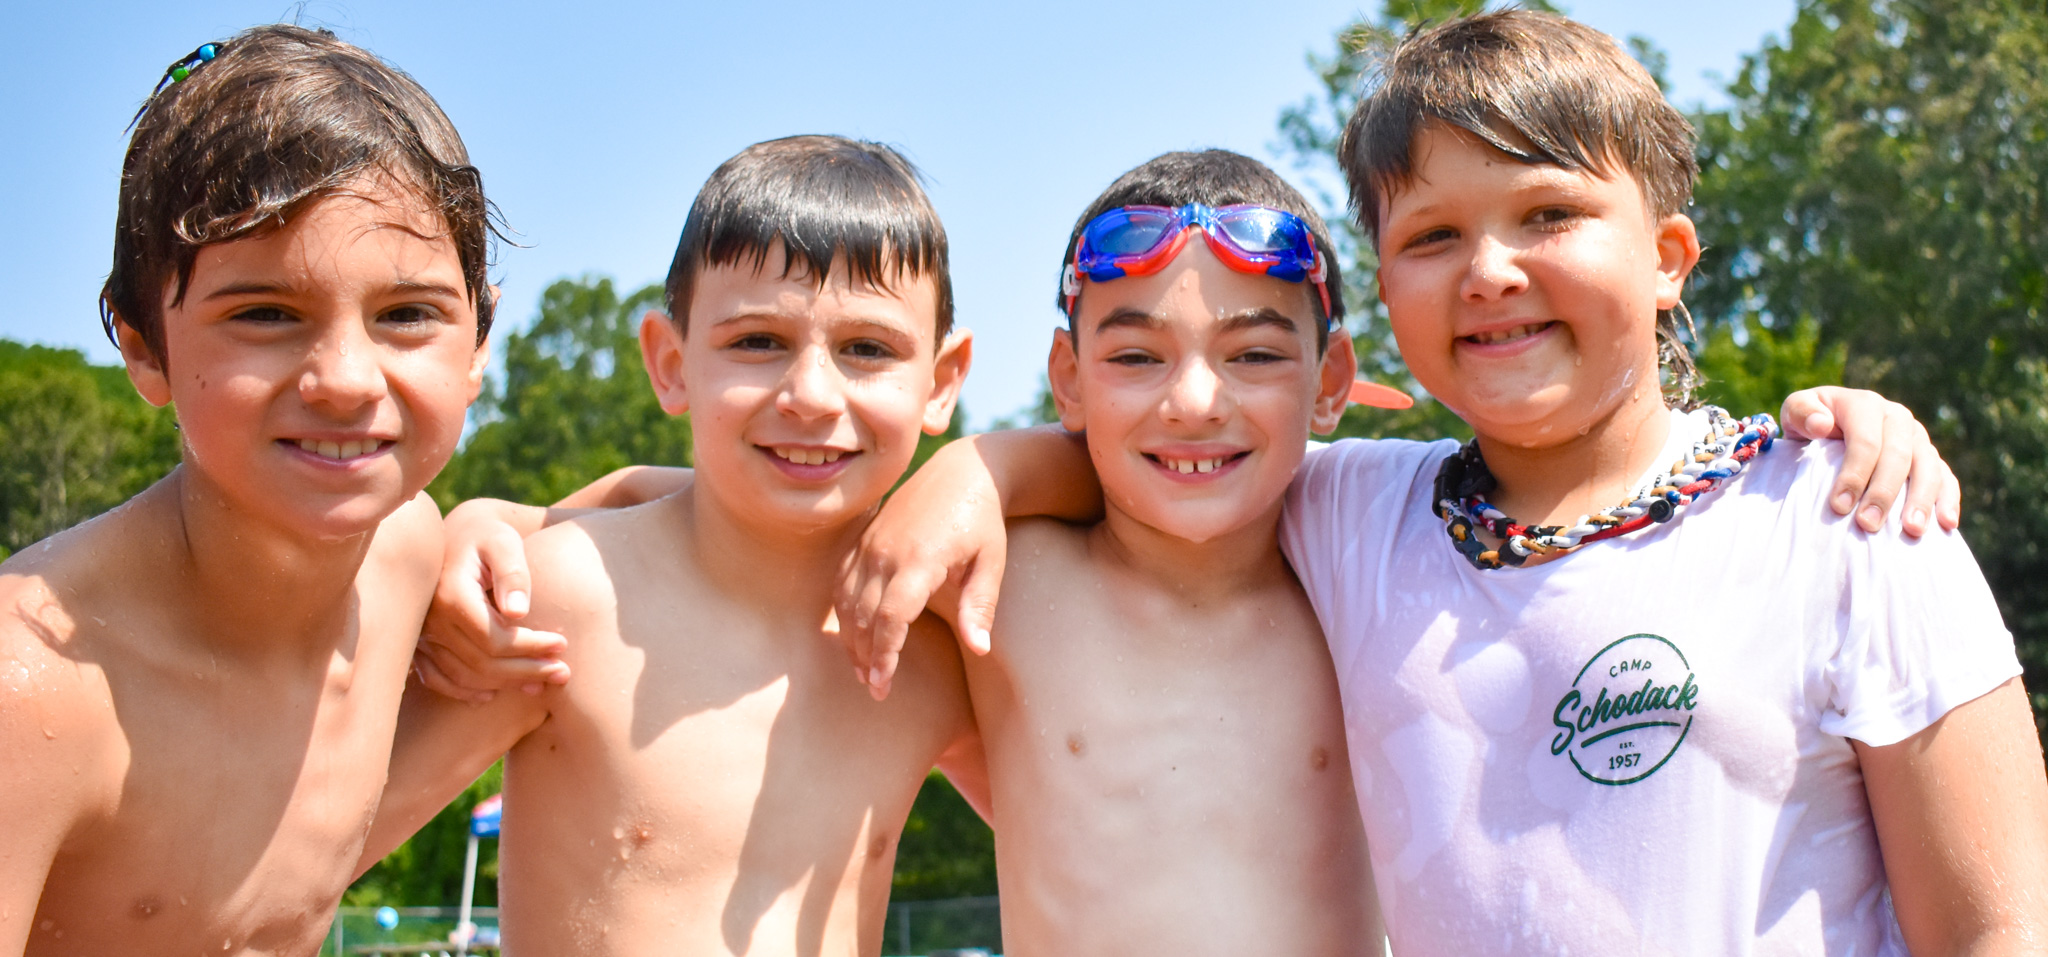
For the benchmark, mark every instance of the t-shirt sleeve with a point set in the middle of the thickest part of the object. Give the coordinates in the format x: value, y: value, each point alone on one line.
x: 1921, y: 634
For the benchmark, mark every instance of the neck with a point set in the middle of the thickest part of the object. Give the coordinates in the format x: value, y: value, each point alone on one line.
x: 774, y: 564
x: 1244, y: 558
x: 1555, y: 484
x: 262, y: 591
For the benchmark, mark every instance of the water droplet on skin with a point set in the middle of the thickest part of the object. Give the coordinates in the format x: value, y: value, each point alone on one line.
x: 49, y: 734
x: 46, y: 925
x: 342, y: 349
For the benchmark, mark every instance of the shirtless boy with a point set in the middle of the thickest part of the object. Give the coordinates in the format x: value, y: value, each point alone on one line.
x: 711, y: 782
x: 198, y: 689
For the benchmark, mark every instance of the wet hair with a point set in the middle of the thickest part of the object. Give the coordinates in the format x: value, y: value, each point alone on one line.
x: 1216, y: 178
x: 280, y: 118
x: 1540, y: 89
x: 819, y: 198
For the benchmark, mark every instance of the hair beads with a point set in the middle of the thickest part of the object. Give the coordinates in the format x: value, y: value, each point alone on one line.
x: 1463, y: 481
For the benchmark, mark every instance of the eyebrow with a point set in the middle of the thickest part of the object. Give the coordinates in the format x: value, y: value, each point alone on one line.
x: 432, y: 288
x: 1262, y: 316
x: 1126, y: 317
x: 1235, y: 322
x: 249, y: 288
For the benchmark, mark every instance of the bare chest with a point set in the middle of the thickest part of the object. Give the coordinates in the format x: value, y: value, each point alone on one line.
x: 234, y: 821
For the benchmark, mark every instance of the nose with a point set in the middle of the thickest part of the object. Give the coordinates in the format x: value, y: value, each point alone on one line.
x: 1492, y: 273
x: 1197, y: 394
x: 342, y: 372
x: 813, y: 387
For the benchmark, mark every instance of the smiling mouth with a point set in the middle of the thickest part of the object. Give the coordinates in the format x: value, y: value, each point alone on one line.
x: 808, y: 456
x: 342, y: 451
x: 1511, y: 334
x: 1195, y: 466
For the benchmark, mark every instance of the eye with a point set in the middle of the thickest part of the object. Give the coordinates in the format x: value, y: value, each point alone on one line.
x: 263, y: 315
x: 410, y: 315
x: 1258, y: 357
x: 755, y: 342
x: 1132, y: 358
x: 869, y: 349
x: 1430, y: 237
x: 1553, y: 216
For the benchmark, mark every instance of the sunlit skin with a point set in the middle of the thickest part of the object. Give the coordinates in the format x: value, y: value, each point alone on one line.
x: 1165, y: 745
x: 198, y: 690
x: 1525, y: 297
x: 713, y: 780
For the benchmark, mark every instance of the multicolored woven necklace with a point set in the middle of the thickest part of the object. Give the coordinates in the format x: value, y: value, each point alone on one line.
x: 1463, y: 482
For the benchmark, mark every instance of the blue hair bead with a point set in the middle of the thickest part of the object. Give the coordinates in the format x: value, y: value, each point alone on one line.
x: 207, y: 51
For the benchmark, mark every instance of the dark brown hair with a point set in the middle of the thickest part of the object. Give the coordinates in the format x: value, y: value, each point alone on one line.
x: 279, y: 119
x: 1540, y: 89
x: 1215, y: 178
x: 818, y: 198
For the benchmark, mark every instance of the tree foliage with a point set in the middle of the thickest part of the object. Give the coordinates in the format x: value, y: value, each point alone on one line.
x: 1882, y: 176
x: 570, y: 404
x: 78, y: 441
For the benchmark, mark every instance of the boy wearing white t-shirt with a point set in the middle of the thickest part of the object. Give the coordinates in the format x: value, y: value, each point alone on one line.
x: 1737, y: 723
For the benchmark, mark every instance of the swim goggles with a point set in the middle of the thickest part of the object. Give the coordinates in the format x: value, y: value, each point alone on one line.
x: 1141, y: 240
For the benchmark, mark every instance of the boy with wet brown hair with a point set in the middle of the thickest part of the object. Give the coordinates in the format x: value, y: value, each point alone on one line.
x: 198, y: 689
x: 711, y: 781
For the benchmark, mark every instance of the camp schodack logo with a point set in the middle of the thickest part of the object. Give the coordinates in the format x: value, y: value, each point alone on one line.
x: 1628, y: 711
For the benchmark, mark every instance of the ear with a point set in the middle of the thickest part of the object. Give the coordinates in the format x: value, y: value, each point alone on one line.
x: 1333, y: 389
x: 661, y: 348
x: 949, y: 373
x: 1063, y: 375
x: 1678, y: 250
x: 144, y: 368
x: 482, y: 359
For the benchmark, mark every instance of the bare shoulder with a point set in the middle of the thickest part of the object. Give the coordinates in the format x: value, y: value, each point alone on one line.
x: 573, y: 585
x: 59, y: 737
x: 1046, y: 544
x: 408, y: 545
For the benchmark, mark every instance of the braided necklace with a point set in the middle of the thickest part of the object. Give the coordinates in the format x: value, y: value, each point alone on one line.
x: 1463, y: 482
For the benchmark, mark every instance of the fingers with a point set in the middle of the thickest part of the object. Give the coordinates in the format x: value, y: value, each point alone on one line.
x: 977, y: 614
x: 436, y: 681
x: 1925, y: 485
x: 903, y: 600
x: 503, y: 556
x: 1894, y: 460
x: 1949, y: 509
x: 1806, y: 415
x: 1859, y: 416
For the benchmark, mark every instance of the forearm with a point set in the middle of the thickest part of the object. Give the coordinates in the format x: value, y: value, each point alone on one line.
x: 442, y: 746
x: 623, y: 488
x: 1041, y: 471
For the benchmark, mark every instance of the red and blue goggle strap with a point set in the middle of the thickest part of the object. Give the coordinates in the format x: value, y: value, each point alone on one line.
x: 1286, y: 265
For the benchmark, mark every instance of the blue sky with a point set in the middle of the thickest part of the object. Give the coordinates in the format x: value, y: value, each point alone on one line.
x: 594, y: 123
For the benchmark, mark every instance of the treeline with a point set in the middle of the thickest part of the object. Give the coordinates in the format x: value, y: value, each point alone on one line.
x: 1874, y: 204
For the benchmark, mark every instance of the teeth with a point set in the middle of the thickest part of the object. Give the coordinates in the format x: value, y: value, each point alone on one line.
x: 341, y: 451
x: 808, y: 456
x: 1507, y: 335
x: 1192, y: 466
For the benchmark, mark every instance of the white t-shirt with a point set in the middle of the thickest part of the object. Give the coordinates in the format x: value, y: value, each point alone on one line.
x: 1641, y: 747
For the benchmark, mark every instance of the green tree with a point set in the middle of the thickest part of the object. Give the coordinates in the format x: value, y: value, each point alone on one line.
x: 1882, y: 173
x: 79, y: 441
x: 570, y: 403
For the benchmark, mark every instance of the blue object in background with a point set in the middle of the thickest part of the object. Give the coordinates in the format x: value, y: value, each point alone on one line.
x: 483, y: 822
x: 387, y: 917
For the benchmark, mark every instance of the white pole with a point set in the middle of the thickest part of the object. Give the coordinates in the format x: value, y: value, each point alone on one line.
x: 463, y: 928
